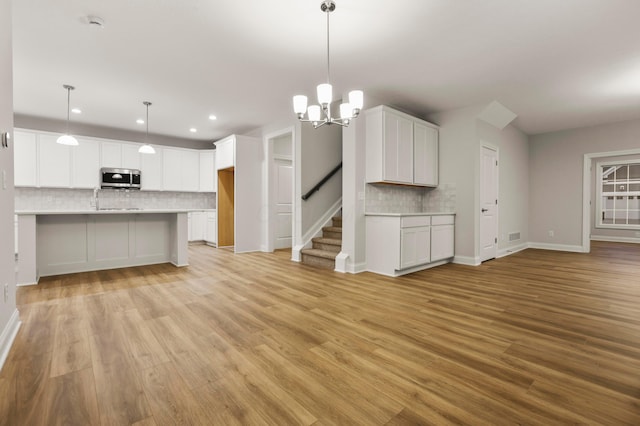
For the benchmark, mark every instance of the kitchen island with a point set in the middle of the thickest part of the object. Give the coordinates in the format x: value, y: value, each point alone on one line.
x: 62, y: 242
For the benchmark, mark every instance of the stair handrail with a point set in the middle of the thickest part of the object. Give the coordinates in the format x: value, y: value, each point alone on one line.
x: 324, y: 180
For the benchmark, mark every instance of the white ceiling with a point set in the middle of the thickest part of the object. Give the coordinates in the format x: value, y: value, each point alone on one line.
x: 556, y: 63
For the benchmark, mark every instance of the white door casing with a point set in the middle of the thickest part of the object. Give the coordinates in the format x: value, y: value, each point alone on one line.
x: 488, y: 203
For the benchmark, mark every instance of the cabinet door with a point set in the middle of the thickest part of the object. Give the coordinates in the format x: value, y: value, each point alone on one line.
x: 442, y: 242
x: 171, y: 173
x: 151, y: 169
x: 86, y: 164
x: 25, y: 163
x: 207, y: 169
x: 54, y: 162
x: 398, y: 149
x: 210, y: 230
x: 225, y: 155
x: 111, y: 155
x: 425, y: 160
x: 131, y: 156
x: 197, y: 222
x: 415, y: 246
x: 190, y: 170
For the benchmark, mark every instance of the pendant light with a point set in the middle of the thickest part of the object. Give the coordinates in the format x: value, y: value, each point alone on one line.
x: 348, y: 110
x: 67, y: 139
x: 146, y: 148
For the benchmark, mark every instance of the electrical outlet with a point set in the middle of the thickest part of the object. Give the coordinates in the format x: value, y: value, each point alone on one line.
x: 6, y: 292
x: 551, y: 233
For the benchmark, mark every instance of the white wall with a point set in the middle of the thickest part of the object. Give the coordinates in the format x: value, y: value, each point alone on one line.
x: 321, y: 151
x: 513, y: 183
x: 459, y: 164
x: 461, y: 138
x: 556, y: 167
x: 8, y: 312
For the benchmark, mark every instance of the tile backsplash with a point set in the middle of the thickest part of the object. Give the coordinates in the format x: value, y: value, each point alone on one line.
x: 81, y: 199
x: 381, y: 198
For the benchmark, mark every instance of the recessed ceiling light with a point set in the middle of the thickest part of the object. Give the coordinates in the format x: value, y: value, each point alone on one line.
x: 213, y: 117
x: 76, y: 111
x: 193, y: 130
x: 140, y: 121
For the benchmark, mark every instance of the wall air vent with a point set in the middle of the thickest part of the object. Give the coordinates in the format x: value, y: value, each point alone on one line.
x: 514, y: 236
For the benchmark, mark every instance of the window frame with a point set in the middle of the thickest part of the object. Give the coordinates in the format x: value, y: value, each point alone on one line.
x: 600, y: 194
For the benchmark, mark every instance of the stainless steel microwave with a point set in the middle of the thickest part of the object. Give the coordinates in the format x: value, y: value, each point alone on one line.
x: 119, y: 178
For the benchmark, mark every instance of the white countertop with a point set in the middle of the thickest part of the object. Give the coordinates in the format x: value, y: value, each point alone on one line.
x: 409, y: 214
x: 108, y: 211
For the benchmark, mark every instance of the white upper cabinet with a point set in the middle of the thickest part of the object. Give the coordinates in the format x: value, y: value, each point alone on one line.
x: 425, y: 155
x: 400, y: 148
x: 190, y: 167
x: 151, y: 170
x: 131, y: 156
x: 225, y: 153
x: 55, y: 162
x: 181, y: 170
x: 85, y: 163
x: 207, y: 171
x: 41, y: 162
x: 111, y: 155
x: 25, y: 158
x: 171, y: 173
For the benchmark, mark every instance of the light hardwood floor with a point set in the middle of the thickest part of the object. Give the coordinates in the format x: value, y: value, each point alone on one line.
x: 539, y: 337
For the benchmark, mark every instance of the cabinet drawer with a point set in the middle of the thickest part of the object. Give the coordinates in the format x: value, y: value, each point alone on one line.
x: 442, y: 220
x: 411, y: 221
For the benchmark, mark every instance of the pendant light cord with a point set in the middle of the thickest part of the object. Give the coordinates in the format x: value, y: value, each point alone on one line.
x: 328, y: 11
x: 68, y: 106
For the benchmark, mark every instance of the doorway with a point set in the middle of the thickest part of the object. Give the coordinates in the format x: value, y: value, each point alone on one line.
x: 280, y: 229
x: 226, y: 207
x: 488, y: 203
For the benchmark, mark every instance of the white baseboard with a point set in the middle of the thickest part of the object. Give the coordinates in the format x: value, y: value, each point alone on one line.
x: 341, y: 262
x: 356, y: 268
x: 8, y: 335
x: 615, y: 239
x: 511, y: 250
x: 467, y: 260
x: 556, y: 247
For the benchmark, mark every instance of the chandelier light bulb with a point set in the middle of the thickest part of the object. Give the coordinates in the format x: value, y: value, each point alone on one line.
x: 356, y: 99
x: 314, y: 113
x: 346, y: 111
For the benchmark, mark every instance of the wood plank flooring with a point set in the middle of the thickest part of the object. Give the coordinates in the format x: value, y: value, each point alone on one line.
x: 536, y: 338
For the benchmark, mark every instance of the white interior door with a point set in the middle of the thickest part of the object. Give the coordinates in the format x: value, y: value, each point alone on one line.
x: 488, y: 203
x: 284, y: 203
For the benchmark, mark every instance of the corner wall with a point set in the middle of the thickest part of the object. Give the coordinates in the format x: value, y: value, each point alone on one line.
x: 9, y: 320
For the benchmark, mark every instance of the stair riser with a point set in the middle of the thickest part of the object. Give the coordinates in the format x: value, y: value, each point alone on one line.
x: 330, y: 234
x: 328, y: 247
x: 337, y: 222
x: 318, y: 262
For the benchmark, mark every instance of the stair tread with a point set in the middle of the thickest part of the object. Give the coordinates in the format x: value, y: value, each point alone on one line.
x: 325, y: 240
x: 320, y: 253
x: 332, y: 228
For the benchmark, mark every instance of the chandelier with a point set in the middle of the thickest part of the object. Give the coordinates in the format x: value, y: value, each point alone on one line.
x: 319, y: 115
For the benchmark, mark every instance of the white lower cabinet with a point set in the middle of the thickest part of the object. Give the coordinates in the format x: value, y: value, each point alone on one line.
x: 398, y: 244
x: 196, y: 224
x: 210, y: 236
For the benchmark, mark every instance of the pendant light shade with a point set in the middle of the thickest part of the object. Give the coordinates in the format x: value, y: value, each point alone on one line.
x: 67, y: 139
x: 146, y: 148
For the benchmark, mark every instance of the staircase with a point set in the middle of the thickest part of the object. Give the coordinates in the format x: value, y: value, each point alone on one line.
x: 325, y: 249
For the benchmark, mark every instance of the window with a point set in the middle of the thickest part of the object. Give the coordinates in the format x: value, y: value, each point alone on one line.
x: 618, y: 195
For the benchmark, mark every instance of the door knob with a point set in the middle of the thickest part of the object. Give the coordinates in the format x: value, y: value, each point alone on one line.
x: 485, y: 210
